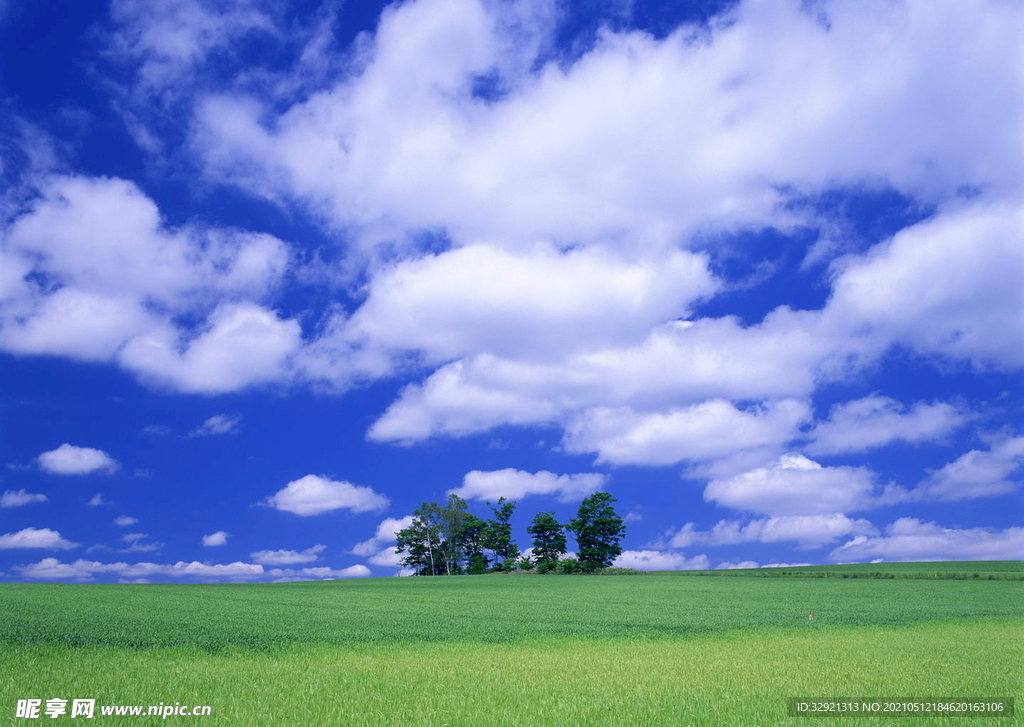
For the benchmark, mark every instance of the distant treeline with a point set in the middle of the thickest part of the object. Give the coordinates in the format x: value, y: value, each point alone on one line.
x: 449, y: 540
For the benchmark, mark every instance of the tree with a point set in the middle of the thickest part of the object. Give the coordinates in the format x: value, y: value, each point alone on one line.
x: 422, y: 541
x: 598, y: 530
x: 473, y: 537
x: 548, y: 538
x: 498, y: 535
x: 453, y: 548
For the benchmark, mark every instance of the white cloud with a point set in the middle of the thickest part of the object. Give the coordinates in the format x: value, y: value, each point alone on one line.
x: 909, y: 539
x: 35, y: 538
x: 218, y: 424
x: 214, y: 539
x: 974, y: 315
x: 313, y: 495
x: 117, y: 276
x: 683, y: 368
x: 446, y: 404
x: 125, y: 520
x: 875, y: 421
x: 728, y: 565
x: 133, y: 537
x: 168, y: 40
x: 241, y: 345
x: 287, y: 557
x: 639, y: 138
x: 386, y: 557
x: 68, y: 459
x: 17, y: 498
x: 976, y: 474
x: 539, y: 302
x: 387, y: 532
x: 795, y: 485
x: 807, y: 530
x: 52, y: 569
x: 97, y: 500
x: 140, y: 547
x: 318, y: 573
x: 156, y: 430
x: 704, y: 431
x: 516, y: 484
x: 658, y: 560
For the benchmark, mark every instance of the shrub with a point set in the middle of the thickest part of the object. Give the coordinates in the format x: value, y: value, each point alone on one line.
x: 569, y: 566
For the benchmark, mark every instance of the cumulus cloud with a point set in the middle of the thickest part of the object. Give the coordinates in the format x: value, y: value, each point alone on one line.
x: 806, y: 530
x: 53, y: 569
x: 909, y: 539
x: 661, y: 142
x: 796, y: 485
x: 387, y: 532
x: 241, y: 345
x: 68, y: 459
x: 125, y: 520
x: 313, y: 495
x: 317, y: 573
x: 975, y: 314
x: 214, y: 539
x: 36, y: 538
x: 539, y: 302
x: 287, y: 557
x: 729, y: 565
x: 116, y: 277
x: 96, y: 500
x: 386, y: 557
x: 516, y: 484
x: 715, y: 428
x: 976, y: 474
x: 875, y: 421
x: 218, y: 424
x: 18, y: 498
x: 659, y: 560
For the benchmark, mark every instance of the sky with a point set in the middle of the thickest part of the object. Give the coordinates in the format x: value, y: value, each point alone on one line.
x: 274, y: 274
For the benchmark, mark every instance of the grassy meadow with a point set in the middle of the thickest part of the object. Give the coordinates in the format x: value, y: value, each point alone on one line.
x: 653, y: 649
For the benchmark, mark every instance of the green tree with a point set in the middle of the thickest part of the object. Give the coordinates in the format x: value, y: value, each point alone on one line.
x: 498, y: 535
x: 548, y: 538
x: 422, y: 541
x: 598, y: 530
x: 453, y: 547
x: 473, y: 536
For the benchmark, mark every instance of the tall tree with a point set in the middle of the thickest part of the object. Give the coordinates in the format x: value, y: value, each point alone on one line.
x: 422, y: 541
x: 548, y: 538
x: 453, y: 518
x: 473, y: 538
x: 598, y: 530
x: 498, y: 536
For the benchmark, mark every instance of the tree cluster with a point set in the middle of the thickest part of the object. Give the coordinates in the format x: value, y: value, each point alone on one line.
x: 449, y: 540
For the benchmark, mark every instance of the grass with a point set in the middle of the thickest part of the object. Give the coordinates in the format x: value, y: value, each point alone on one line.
x: 991, y: 570
x: 523, y: 650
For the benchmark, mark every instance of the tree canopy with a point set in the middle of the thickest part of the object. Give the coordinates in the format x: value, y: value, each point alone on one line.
x: 598, y: 530
x: 449, y: 540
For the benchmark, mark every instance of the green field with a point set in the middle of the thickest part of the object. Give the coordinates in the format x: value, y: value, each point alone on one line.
x: 1012, y: 570
x: 515, y: 649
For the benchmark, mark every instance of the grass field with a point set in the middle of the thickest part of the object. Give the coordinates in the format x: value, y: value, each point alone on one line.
x: 950, y: 570
x: 514, y: 649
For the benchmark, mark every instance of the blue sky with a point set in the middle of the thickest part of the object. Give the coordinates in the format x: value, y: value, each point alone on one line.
x: 272, y: 274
